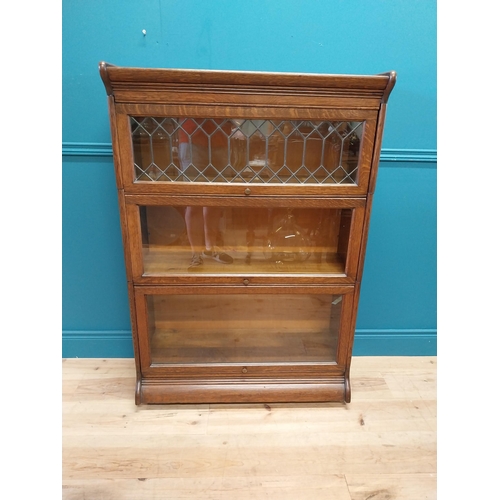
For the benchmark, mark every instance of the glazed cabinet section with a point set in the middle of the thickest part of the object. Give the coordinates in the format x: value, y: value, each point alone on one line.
x: 243, y: 343
x: 264, y: 240
x: 232, y: 150
x: 167, y: 154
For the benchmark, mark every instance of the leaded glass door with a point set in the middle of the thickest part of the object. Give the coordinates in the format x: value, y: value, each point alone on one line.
x: 226, y: 154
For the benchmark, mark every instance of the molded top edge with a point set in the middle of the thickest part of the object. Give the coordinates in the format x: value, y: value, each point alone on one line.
x: 112, y: 75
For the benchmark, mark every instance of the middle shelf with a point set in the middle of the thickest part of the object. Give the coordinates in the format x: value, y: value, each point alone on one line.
x: 251, y: 239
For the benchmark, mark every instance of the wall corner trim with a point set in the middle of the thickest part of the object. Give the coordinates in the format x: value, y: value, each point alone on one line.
x: 86, y: 149
x: 387, y: 155
x: 367, y: 342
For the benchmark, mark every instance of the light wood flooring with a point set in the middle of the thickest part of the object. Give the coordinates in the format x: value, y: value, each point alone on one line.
x: 381, y: 446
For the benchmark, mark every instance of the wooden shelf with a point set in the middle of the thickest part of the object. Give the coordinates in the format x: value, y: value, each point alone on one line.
x: 240, y: 346
x: 163, y: 262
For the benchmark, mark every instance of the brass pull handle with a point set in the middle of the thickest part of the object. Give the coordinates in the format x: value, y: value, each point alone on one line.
x: 247, y: 191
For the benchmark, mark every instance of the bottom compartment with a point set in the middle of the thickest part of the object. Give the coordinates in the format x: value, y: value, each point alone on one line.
x: 221, y: 344
x: 249, y: 328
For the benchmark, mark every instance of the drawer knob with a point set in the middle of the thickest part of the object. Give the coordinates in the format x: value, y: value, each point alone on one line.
x: 246, y: 282
x: 244, y: 370
x: 247, y: 191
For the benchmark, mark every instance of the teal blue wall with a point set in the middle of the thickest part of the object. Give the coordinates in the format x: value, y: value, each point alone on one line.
x: 397, y: 313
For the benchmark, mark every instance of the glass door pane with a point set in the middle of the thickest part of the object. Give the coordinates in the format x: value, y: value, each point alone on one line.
x: 243, y: 328
x: 244, y: 240
x: 226, y: 151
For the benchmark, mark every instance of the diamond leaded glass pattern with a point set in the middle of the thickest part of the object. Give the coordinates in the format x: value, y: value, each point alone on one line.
x: 245, y: 151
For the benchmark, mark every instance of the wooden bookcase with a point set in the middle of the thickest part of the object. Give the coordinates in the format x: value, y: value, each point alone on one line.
x: 245, y: 202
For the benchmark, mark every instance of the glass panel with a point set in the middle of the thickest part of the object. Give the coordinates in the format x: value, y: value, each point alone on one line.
x: 243, y: 328
x: 248, y: 151
x: 244, y: 240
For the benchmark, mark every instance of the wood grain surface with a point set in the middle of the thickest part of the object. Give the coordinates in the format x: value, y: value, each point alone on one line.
x: 380, y: 446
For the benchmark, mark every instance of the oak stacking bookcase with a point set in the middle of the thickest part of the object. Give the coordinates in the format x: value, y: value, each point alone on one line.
x: 245, y: 203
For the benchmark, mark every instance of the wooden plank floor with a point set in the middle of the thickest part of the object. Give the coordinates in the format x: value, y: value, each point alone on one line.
x: 381, y: 446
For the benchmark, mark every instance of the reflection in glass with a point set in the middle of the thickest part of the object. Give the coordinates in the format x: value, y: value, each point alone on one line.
x: 236, y: 328
x: 289, y: 241
x: 245, y: 151
x: 244, y: 240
